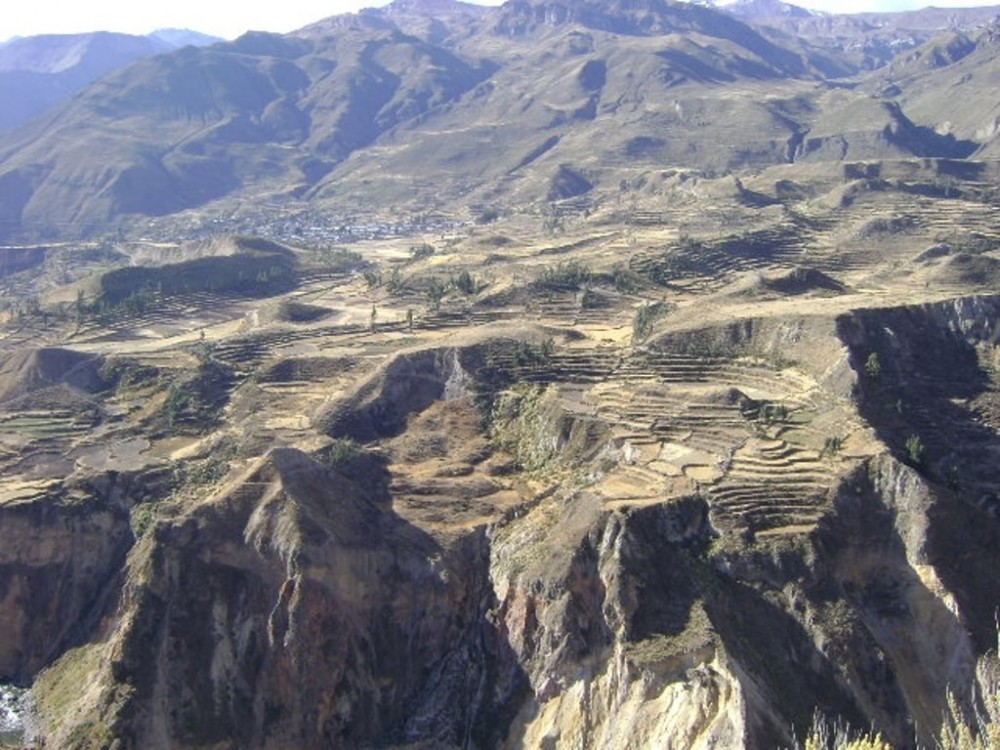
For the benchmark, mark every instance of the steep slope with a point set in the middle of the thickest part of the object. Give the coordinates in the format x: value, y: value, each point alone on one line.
x: 673, y: 474
x: 39, y: 72
x: 947, y: 87
x: 860, y: 41
x: 362, y: 608
x: 418, y: 589
x: 263, y: 114
x: 438, y: 106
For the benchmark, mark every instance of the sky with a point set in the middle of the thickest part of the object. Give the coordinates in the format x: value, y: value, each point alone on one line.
x: 224, y: 19
x: 229, y: 20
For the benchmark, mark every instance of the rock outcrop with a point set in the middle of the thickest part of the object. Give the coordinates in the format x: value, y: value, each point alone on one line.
x: 304, y: 603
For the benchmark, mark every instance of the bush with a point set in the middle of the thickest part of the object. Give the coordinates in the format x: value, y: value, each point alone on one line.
x: 528, y: 355
x: 565, y: 275
x: 488, y: 216
x: 343, y: 452
x: 624, y: 280
x: 395, y: 283
x: 419, y: 252
x: 823, y: 736
x: 465, y: 282
x: 373, y: 279
x: 832, y: 446
x: 914, y: 450
x: 873, y: 367
x: 645, y: 316
x: 978, y: 732
x: 435, y: 293
x: 770, y: 413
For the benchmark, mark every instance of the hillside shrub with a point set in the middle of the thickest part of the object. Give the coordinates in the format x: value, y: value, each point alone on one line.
x: 342, y: 452
x: 527, y: 354
x: 873, y: 367
x: 645, y: 317
x: 435, y: 293
x: 914, y: 450
x: 422, y: 251
x: 565, y: 275
x: 466, y: 283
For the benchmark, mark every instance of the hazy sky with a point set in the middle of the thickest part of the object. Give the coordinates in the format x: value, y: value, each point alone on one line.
x: 229, y: 20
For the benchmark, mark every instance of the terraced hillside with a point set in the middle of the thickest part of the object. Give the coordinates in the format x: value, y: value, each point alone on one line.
x: 708, y: 464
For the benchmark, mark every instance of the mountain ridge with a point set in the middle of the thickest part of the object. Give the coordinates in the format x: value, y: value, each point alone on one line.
x: 39, y: 72
x: 337, y: 112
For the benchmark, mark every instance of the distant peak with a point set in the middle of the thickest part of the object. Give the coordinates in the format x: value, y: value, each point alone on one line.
x: 183, y: 37
x: 757, y: 9
x: 431, y: 7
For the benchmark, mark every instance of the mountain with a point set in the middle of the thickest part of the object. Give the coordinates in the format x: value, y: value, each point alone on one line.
x: 452, y: 106
x: 947, y: 84
x: 175, y: 38
x: 38, y: 72
x: 762, y: 11
x: 609, y: 374
x: 866, y: 40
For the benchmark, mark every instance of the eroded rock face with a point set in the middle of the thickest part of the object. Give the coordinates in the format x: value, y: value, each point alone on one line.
x: 298, y: 610
x: 305, y: 604
x: 933, y: 402
x: 59, y: 554
x: 645, y: 621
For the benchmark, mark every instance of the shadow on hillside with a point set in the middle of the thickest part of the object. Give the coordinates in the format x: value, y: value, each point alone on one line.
x: 931, y: 402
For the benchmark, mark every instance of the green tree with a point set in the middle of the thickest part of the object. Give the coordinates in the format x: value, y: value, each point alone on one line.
x: 435, y: 293
x: 914, y: 450
x: 395, y: 283
x: 465, y: 282
x: 645, y: 316
x: 419, y: 252
x: 343, y: 451
x: 832, y: 446
x: 873, y: 367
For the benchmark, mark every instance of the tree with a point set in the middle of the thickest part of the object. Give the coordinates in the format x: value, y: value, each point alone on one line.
x: 395, y: 283
x: 343, y: 451
x: 419, y: 252
x: 832, y: 446
x: 465, y: 282
x: 435, y: 293
x: 873, y: 367
x: 645, y: 316
x: 81, y: 308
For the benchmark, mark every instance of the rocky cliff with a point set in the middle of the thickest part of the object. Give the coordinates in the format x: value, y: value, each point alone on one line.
x: 488, y: 549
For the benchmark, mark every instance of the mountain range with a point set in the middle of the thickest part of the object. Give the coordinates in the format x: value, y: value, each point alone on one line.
x: 451, y: 106
x: 613, y: 374
x: 39, y: 72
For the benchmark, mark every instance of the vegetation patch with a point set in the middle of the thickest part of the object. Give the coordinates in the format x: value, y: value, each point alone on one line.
x: 530, y: 355
x: 126, y: 374
x: 645, y: 317
x: 524, y: 423
x: 299, y: 312
x: 136, y: 289
x: 565, y: 276
x: 195, y: 403
x: 58, y: 687
x: 665, y: 651
x: 421, y: 252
